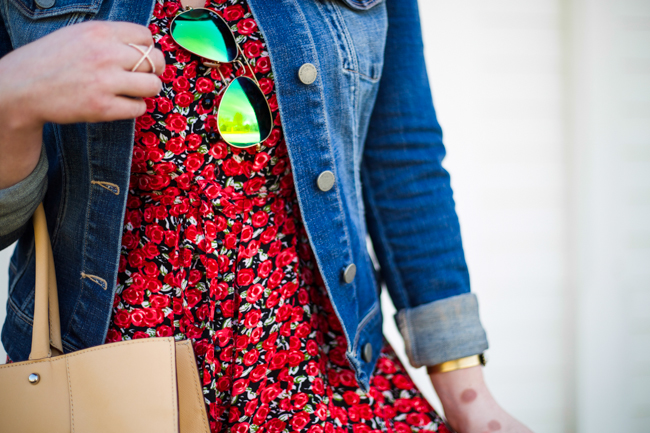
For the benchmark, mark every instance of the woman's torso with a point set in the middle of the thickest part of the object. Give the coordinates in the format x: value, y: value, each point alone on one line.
x: 214, y: 250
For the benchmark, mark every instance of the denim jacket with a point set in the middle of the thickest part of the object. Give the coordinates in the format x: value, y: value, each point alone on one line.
x: 368, y: 118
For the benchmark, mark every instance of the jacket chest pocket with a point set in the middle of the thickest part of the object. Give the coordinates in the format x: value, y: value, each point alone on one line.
x: 358, y: 28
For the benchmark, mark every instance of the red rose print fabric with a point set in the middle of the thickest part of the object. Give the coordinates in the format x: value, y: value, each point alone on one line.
x: 214, y: 250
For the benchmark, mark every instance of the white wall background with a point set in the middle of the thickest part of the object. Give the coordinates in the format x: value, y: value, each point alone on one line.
x: 545, y: 106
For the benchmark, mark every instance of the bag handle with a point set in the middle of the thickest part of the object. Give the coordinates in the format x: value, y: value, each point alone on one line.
x: 46, y: 332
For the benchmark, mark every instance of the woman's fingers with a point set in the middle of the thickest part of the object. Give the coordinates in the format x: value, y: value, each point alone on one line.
x: 122, y: 107
x: 135, y: 84
x: 129, y: 33
x: 133, y: 54
x: 84, y: 72
x: 113, y: 39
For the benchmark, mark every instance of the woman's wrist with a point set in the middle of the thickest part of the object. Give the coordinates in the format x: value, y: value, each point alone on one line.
x: 469, y: 406
x: 458, y: 389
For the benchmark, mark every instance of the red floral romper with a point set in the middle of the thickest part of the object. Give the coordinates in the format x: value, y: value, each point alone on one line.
x: 214, y: 250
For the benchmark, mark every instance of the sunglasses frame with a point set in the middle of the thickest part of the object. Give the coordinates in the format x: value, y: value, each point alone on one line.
x: 215, y: 65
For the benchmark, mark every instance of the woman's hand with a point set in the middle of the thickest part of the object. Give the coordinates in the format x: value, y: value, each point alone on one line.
x: 469, y: 406
x: 80, y: 73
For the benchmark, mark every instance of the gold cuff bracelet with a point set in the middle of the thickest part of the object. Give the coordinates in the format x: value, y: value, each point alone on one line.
x: 457, y: 364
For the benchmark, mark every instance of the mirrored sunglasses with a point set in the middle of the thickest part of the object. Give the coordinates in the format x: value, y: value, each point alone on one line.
x: 243, y: 115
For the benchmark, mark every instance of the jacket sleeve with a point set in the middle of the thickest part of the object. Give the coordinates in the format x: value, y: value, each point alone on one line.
x: 409, y: 206
x: 18, y: 202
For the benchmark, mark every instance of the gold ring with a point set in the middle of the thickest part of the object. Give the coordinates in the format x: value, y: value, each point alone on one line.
x: 145, y: 55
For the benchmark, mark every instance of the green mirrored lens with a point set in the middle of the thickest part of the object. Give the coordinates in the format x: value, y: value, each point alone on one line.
x: 204, y: 33
x: 243, y: 116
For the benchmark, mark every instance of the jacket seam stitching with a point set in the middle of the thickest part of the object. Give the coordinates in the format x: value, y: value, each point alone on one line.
x: 361, y: 74
x: 64, y: 188
x: 386, y: 245
x: 348, y: 39
x: 335, y: 27
x: 365, y: 321
x: 85, y: 245
x: 18, y: 275
x: 365, y: 4
x: 21, y: 315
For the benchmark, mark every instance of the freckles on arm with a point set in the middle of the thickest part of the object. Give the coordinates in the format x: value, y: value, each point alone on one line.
x: 494, y: 425
x: 468, y: 396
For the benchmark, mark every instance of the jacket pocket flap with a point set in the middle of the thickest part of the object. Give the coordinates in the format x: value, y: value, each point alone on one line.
x: 361, y: 5
x: 37, y: 9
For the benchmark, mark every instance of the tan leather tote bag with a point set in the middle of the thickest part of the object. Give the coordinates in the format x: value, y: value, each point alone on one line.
x: 139, y: 386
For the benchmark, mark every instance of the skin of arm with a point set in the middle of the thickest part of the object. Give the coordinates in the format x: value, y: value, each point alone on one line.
x: 469, y: 406
x: 20, y: 146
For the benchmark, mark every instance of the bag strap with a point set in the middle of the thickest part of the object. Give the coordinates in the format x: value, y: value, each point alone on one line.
x: 46, y: 332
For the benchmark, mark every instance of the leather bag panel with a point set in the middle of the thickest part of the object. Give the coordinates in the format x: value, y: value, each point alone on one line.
x: 44, y: 407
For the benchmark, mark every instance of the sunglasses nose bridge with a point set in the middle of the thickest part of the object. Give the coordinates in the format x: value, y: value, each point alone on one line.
x: 215, y: 65
x: 211, y: 64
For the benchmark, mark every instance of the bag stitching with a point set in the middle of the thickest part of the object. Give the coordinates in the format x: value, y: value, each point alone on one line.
x: 67, y: 367
x: 69, y: 355
x: 173, y: 382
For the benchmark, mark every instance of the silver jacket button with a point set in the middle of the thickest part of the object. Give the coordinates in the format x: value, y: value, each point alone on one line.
x: 367, y: 352
x: 45, y: 4
x: 349, y: 273
x: 307, y: 73
x: 325, y: 180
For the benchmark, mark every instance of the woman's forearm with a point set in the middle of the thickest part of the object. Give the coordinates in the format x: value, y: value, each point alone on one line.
x: 20, y: 133
x: 469, y: 405
x: 20, y: 149
x: 458, y: 389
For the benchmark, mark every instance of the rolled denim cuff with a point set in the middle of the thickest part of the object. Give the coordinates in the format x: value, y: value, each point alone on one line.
x: 442, y: 330
x: 18, y: 202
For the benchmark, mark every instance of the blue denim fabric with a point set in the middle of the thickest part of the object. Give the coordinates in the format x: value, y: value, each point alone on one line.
x: 368, y: 118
